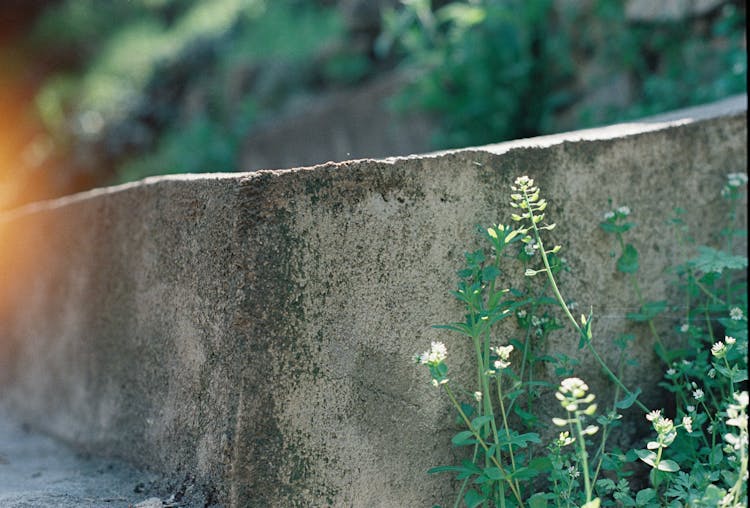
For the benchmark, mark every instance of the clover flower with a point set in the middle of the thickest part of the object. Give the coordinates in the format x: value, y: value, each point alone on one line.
x: 719, y: 350
x: 624, y: 211
x: 503, y: 356
x: 436, y: 354
x: 729, y: 340
x: 653, y: 415
x: 736, y: 179
x: 736, y: 314
x: 687, y: 422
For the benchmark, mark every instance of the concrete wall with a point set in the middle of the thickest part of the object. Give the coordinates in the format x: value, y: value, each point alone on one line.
x: 256, y: 330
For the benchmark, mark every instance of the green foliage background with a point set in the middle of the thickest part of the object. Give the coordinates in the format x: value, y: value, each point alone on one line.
x: 505, y: 69
x: 142, y: 87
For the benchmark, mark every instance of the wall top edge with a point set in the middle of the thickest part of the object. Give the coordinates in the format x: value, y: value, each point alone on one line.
x: 729, y: 107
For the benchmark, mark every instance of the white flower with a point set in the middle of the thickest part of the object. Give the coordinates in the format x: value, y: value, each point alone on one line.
x: 530, y: 248
x: 742, y: 399
x: 736, y: 313
x: 478, y: 396
x: 565, y: 439
x: 624, y: 210
x: 712, y: 373
x: 671, y: 372
x: 609, y: 215
x: 730, y: 340
x: 436, y: 354
x: 573, y: 472
x: 521, y: 314
x: 690, y: 409
x: 719, y: 350
x: 574, y: 386
x: 687, y: 422
x: 698, y: 394
x: 684, y: 328
x: 503, y: 354
x: 653, y: 415
x: 736, y: 179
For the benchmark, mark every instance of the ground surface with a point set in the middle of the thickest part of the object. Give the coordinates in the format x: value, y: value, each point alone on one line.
x: 38, y: 472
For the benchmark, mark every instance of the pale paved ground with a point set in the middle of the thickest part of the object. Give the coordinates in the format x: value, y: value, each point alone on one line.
x: 37, y: 472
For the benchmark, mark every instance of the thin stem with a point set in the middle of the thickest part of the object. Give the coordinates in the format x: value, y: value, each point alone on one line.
x: 560, y: 299
x: 481, y: 442
x: 584, y: 457
x: 661, y: 350
x: 505, y: 424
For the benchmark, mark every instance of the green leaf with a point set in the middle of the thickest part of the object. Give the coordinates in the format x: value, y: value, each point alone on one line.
x: 463, y: 438
x: 538, y: 500
x: 480, y: 421
x: 519, y: 440
x: 646, y: 456
x: 490, y: 273
x: 447, y: 469
x: 649, y: 310
x: 669, y: 466
x: 644, y: 496
x: 472, y: 498
x: 713, y: 260
x: 493, y: 473
x: 629, y: 400
x: 713, y: 495
x: 541, y: 464
x: 611, y: 227
x: 628, y: 262
x: 716, y: 456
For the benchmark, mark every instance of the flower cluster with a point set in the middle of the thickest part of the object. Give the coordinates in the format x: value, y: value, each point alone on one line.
x: 434, y: 359
x: 619, y: 213
x: 665, y: 429
x: 526, y: 198
x: 737, y: 414
x: 572, y: 393
x: 734, y: 182
x: 433, y: 356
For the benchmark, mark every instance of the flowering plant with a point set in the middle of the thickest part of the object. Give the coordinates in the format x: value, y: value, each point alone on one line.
x: 702, y: 460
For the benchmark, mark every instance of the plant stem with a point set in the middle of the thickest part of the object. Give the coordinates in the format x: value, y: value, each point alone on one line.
x: 584, y: 457
x: 560, y: 299
x: 481, y: 442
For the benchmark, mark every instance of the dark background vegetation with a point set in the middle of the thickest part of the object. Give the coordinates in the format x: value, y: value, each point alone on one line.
x: 94, y: 92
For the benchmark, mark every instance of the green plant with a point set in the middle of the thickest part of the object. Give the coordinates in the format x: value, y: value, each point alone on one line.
x: 494, y: 70
x: 700, y: 461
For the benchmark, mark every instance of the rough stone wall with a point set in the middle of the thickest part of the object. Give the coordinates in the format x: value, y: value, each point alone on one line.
x: 256, y: 330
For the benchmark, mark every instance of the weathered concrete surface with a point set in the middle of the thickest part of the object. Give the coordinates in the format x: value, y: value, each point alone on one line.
x: 37, y: 472
x: 256, y: 330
